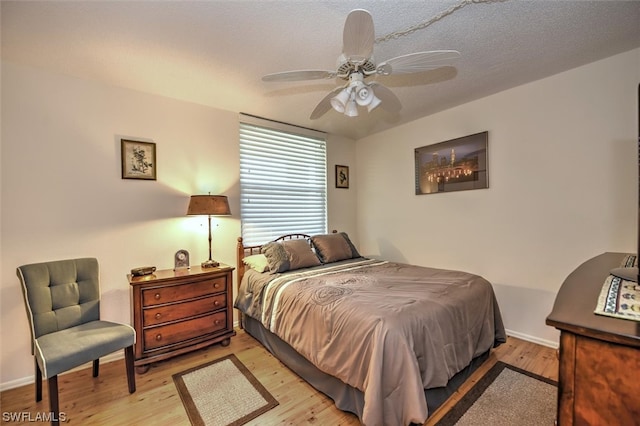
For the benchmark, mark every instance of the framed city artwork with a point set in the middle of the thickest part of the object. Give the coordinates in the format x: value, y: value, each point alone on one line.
x: 454, y: 165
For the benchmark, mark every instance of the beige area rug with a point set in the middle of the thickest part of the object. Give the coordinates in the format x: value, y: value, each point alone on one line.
x: 508, y: 396
x: 222, y: 392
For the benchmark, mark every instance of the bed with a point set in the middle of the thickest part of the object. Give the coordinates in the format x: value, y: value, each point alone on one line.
x: 387, y: 341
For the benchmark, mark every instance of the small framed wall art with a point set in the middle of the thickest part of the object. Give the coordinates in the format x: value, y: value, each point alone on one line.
x: 342, y: 176
x: 138, y: 159
x: 454, y: 165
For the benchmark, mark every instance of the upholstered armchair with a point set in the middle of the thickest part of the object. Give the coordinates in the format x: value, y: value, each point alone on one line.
x: 62, y: 299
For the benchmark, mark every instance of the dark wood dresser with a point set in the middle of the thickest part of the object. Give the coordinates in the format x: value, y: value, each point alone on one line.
x: 175, y: 312
x: 599, y: 377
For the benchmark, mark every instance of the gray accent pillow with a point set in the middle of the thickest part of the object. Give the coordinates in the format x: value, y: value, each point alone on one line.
x: 289, y: 255
x: 354, y: 252
x: 334, y: 247
x: 276, y: 256
x: 300, y: 254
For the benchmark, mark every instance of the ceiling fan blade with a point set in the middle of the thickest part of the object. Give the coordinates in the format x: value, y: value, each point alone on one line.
x: 389, y: 101
x: 417, y: 62
x: 325, y: 104
x: 299, y: 75
x: 358, y: 36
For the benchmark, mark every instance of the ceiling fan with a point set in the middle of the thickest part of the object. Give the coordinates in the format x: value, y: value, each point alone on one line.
x: 356, y: 63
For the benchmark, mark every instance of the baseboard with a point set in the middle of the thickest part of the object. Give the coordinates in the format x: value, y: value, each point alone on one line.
x: 533, y: 339
x: 30, y: 379
x: 16, y: 383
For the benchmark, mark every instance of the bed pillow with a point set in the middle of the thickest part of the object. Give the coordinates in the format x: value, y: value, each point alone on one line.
x: 300, y: 253
x: 258, y: 262
x: 289, y: 255
x: 334, y: 247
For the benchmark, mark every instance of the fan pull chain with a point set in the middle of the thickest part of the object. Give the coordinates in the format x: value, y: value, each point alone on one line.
x: 425, y: 24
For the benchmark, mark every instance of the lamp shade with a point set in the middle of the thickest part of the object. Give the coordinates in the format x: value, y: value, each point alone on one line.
x: 209, y: 205
x: 375, y: 101
x: 364, y: 95
x: 339, y: 102
x: 351, y: 110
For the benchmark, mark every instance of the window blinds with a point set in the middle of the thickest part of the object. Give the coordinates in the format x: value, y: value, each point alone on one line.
x: 282, y: 183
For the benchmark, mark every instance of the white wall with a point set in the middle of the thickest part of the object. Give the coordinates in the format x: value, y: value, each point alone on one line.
x: 62, y: 194
x: 342, y: 152
x: 562, y: 188
x: 562, y: 172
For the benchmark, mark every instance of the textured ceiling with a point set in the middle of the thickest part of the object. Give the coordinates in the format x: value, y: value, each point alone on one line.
x: 215, y: 52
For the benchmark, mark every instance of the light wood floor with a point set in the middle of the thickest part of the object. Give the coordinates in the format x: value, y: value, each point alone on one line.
x: 105, y: 400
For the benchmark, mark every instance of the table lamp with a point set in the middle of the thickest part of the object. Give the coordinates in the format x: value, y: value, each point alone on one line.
x: 209, y: 205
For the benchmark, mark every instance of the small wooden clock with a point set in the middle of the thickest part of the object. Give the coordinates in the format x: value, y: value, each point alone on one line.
x: 181, y: 259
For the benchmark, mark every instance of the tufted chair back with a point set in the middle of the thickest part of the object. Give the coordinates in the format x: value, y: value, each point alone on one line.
x: 60, y: 294
x: 62, y: 299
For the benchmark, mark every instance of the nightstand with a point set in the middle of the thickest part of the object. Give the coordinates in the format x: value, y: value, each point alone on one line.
x: 178, y: 311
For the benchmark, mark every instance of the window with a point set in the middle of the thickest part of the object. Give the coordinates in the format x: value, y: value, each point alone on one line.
x: 283, y: 182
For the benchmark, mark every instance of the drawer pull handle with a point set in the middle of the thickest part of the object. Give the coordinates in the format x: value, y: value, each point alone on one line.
x: 158, y: 316
x: 158, y: 337
x: 217, y: 322
x: 157, y: 296
x: 216, y: 285
x: 216, y: 303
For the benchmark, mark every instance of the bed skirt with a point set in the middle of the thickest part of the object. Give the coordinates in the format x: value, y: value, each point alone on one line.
x: 346, y: 398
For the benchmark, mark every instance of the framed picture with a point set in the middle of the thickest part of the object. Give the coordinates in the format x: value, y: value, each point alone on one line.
x: 455, y: 165
x: 342, y: 176
x: 138, y: 159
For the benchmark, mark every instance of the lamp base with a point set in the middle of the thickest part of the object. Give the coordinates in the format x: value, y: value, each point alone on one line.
x: 209, y: 264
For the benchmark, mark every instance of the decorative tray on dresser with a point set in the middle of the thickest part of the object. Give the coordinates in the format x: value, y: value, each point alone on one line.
x: 178, y: 311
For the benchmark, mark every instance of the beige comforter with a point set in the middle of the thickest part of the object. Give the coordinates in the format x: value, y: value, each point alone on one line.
x: 388, y: 329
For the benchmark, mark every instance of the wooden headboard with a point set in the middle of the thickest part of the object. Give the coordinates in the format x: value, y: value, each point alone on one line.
x: 244, y: 251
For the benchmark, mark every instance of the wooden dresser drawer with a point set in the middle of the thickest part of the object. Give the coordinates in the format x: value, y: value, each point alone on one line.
x: 174, y: 312
x: 174, y: 293
x: 156, y: 337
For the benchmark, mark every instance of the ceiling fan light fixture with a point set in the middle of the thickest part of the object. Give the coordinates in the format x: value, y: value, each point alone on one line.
x: 375, y: 101
x: 352, y: 109
x: 339, y: 101
x: 364, y: 94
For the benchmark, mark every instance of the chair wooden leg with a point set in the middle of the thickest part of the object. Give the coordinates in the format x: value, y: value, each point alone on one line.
x: 38, y: 381
x: 96, y: 367
x: 53, y: 400
x: 131, y: 376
